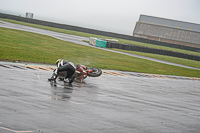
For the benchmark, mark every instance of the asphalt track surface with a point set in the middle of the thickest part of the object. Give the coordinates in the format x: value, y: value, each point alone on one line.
x: 115, y: 102
x: 77, y: 40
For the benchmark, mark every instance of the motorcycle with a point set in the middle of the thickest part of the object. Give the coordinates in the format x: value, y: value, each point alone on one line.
x: 82, y: 72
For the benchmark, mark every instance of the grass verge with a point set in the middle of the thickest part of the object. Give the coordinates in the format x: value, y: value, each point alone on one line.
x: 31, y: 47
x: 99, y: 36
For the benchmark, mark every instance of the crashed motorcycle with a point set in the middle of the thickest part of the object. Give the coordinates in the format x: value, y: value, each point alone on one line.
x: 82, y: 72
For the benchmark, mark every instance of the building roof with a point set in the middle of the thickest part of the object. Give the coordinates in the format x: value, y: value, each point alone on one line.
x: 169, y: 23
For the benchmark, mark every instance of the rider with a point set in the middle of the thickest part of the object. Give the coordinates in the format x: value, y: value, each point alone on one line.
x: 63, y: 65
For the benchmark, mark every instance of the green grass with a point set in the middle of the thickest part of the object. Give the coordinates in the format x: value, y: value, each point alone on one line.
x: 31, y: 47
x: 99, y: 36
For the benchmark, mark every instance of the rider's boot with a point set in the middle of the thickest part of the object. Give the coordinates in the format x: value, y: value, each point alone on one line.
x: 66, y: 80
x: 71, y: 80
x: 53, y: 77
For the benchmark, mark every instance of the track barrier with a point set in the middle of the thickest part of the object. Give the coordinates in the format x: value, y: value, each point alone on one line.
x: 151, y: 50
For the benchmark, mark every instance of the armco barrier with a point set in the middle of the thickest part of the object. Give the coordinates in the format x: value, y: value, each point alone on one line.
x: 97, y: 32
x: 92, y: 40
x: 98, y: 42
x: 152, y: 50
x: 101, y: 43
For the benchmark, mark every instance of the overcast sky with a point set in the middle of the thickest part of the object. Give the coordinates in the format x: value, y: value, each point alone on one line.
x: 119, y: 16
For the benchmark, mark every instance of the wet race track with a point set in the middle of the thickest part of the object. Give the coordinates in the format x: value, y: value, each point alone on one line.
x: 115, y: 102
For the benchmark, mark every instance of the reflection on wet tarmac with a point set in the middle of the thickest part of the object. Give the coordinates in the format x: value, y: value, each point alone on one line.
x: 61, y: 91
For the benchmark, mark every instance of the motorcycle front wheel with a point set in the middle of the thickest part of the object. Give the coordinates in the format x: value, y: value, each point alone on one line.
x: 96, y: 72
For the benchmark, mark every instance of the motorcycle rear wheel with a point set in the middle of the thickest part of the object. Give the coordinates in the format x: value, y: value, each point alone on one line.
x: 96, y: 72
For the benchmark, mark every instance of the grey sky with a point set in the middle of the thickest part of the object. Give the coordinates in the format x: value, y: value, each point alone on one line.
x: 119, y: 16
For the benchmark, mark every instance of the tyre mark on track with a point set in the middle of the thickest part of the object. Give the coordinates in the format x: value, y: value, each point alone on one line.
x: 8, y: 129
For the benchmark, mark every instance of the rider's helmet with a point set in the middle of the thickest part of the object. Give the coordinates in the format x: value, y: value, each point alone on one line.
x: 59, y: 61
